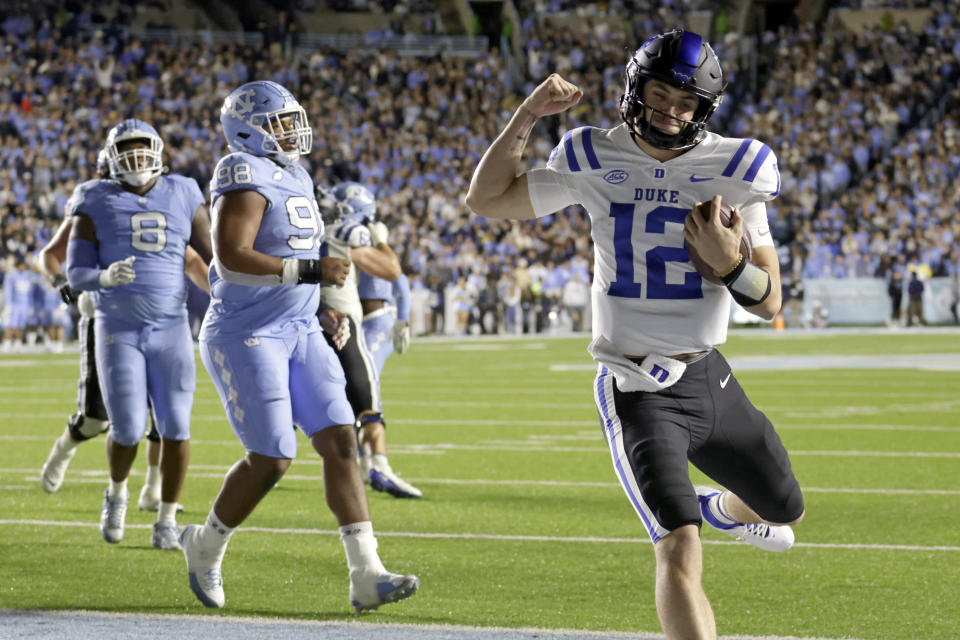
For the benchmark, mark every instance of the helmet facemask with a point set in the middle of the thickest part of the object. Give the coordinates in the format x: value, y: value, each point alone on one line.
x: 279, y: 127
x: 135, y: 166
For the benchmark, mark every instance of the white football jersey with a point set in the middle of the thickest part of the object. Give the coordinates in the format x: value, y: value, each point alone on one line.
x: 340, y: 240
x: 647, y: 296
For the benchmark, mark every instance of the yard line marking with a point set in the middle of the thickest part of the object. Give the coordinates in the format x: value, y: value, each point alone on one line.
x: 91, y: 476
x: 446, y: 423
x: 512, y: 538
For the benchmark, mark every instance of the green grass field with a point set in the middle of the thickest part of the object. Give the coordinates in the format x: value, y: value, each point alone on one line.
x: 522, y: 523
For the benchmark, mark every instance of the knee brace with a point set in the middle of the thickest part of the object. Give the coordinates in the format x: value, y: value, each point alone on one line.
x: 371, y: 417
x: 84, y: 427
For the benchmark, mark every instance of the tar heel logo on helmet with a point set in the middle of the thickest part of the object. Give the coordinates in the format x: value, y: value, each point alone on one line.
x: 240, y: 103
x: 616, y: 176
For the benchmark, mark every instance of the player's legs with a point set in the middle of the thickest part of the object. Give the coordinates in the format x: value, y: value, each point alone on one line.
x: 321, y: 410
x: 122, y: 369
x: 648, y: 441
x: 682, y: 605
x: 171, y: 380
x: 744, y: 454
x: 363, y: 392
x: 253, y: 384
x: 90, y: 419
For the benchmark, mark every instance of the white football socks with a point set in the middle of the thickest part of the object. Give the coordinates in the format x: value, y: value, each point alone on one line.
x: 716, y: 507
x: 118, y: 489
x: 361, y: 547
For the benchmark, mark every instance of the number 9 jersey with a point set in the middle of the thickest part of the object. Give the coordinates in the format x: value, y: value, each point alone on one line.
x: 290, y: 228
x: 154, y: 227
x: 647, y: 296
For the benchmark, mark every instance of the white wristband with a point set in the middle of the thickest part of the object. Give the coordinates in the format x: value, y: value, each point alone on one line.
x: 290, y: 273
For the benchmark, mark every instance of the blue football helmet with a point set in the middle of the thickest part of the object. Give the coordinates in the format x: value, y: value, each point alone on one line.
x: 133, y: 166
x: 358, y: 200
x: 262, y: 118
x: 681, y: 59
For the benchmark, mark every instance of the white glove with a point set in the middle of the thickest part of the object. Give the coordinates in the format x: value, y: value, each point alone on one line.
x: 400, y: 336
x: 379, y: 234
x: 120, y: 272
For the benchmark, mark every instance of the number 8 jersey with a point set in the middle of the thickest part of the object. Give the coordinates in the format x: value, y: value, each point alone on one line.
x: 154, y: 227
x: 290, y: 228
x: 647, y: 296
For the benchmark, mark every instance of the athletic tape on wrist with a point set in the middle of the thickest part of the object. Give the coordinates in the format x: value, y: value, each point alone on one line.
x: 748, y: 284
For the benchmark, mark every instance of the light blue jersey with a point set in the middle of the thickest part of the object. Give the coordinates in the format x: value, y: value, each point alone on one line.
x: 154, y: 227
x: 18, y: 298
x: 291, y: 228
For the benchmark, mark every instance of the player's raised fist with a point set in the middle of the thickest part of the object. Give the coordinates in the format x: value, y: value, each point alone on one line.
x: 334, y: 270
x: 554, y: 95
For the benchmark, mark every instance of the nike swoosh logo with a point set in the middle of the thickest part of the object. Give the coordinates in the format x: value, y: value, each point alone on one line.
x: 723, y: 383
x: 694, y: 178
x: 763, y: 233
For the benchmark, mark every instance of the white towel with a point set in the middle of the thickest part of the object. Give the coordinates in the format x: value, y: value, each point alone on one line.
x: 655, y: 373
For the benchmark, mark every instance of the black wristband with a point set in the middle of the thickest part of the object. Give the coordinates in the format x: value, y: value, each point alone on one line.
x: 67, y: 293
x: 309, y: 272
x: 733, y: 275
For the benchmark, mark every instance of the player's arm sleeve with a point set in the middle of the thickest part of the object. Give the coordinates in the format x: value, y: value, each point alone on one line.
x: 401, y: 293
x: 755, y: 223
x: 553, y: 187
x: 82, y: 269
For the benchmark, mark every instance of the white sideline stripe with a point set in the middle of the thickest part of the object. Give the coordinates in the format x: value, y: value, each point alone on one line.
x: 508, y: 538
x: 97, y: 476
x: 454, y: 628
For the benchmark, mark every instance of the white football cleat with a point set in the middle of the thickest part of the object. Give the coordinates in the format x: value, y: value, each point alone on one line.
x: 370, y: 590
x: 166, y: 536
x: 51, y: 475
x: 763, y: 536
x: 112, y: 517
x: 203, y: 567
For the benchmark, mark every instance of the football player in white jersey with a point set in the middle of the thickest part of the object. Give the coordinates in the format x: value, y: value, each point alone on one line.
x: 652, y: 187
x: 346, y: 210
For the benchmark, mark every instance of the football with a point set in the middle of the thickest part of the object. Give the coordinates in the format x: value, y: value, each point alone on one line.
x: 746, y: 246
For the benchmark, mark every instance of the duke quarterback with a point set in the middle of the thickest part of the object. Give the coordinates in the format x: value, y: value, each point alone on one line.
x: 654, y: 187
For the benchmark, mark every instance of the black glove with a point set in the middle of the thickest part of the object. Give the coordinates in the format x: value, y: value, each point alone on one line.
x: 68, y: 293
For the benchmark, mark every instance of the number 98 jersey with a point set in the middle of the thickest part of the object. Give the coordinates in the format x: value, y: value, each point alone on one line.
x: 647, y: 296
x: 155, y: 228
x: 290, y: 228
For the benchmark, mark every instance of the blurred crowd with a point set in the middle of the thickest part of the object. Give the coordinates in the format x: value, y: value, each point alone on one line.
x: 864, y: 126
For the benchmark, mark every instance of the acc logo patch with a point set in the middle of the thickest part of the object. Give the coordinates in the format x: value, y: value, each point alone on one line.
x: 616, y: 176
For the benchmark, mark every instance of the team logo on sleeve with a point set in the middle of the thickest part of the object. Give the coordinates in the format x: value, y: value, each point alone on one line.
x: 616, y: 176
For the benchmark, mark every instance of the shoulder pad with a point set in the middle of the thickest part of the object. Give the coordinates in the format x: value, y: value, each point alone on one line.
x: 755, y: 164
x: 353, y: 234
x: 84, y: 198
x: 240, y: 170
x: 576, y: 152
